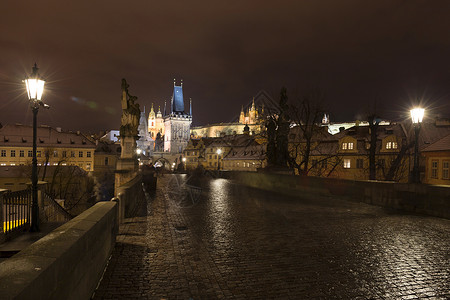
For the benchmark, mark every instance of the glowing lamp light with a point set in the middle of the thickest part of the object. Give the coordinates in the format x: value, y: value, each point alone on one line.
x: 417, y: 115
x: 138, y: 151
x: 35, y: 85
x: 219, y: 151
x: 184, y: 159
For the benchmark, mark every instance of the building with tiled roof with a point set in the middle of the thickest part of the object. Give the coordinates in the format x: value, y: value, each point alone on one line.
x: 54, y: 147
x: 437, y: 162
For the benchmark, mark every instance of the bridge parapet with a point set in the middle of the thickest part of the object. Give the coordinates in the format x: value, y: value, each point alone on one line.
x: 65, y: 264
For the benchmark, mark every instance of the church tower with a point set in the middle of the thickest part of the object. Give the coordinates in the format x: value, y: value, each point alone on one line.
x: 177, y: 123
x: 152, y: 123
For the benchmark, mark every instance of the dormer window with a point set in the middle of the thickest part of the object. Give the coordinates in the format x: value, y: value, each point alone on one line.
x: 72, y: 141
x: 24, y: 140
x: 5, y: 139
x: 347, y: 146
x: 58, y: 141
x: 41, y: 140
x: 391, y: 145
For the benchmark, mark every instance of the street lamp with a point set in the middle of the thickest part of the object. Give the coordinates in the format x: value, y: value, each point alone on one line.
x: 219, y: 151
x: 416, y: 117
x: 35, y: 88
x: 184, y: 163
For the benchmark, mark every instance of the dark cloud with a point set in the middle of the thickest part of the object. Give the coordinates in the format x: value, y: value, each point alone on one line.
x: 358, y: 52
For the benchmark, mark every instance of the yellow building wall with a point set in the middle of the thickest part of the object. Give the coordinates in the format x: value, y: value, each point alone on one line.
x: 82, y: 157
x: 439, y: 176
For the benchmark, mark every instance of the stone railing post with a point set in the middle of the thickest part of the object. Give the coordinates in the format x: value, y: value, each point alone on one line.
x: 2, y: 232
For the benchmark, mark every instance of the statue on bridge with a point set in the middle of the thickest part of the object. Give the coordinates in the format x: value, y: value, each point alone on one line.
x: 130, y: 113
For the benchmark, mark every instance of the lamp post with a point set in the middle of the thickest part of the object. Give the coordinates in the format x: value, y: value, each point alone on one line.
x: 35, y: 88
x: 219, y: 151
x: 416, y: 117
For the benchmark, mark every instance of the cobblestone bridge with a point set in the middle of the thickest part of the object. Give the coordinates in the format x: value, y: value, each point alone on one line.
x: 233, y: 242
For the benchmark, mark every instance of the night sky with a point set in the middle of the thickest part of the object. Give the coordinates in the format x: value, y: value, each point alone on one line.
x: 392, y: 53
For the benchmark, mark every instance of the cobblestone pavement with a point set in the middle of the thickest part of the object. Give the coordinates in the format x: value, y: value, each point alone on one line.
x: 232, y: 242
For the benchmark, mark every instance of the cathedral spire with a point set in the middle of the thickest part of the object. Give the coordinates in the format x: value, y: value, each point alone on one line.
x: 164, y: 108
x: 190, y: 107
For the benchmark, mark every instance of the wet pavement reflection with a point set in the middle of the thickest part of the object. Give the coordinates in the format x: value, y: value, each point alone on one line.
x: 235, y: 242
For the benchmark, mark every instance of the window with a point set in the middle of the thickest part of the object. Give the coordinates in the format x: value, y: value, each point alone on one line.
x: 391, y: 145
x: 30, y: 153
x: 3, y: 153
x: 80, y: 153
x: 347, y: 164
x: 434, y: 168
x: 106, y: 161
x: 350, y: 146
x: 344, y: 146
x: 72, y: 153
x: 88, y: 166
x: 55, y: 153
x: 324, y: 163
x: 13, y: 153
x: 359, y: 163
x: 215, y: 156
x: 210, y: 156
x: 21, y: 153
x: 38, y: 153
x: 88, y: 154
x: 64, y: 153
x: 445, y: 169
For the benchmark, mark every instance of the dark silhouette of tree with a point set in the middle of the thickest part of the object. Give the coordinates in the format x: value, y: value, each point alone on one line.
x: 306, y: 113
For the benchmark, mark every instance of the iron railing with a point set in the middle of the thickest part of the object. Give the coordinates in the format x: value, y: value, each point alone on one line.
x: 52, y: 211
x: 16, y: 211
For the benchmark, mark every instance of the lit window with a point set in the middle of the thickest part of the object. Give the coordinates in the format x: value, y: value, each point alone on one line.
x: 13, y: 153
x: 350, y: 146
x: 3, y: 153
x: 434, y: 169
x: 445, y: 169
x: 21, y: 153
x: 347, y: 164
x: 389, y: 145
x: 394, y: 145
x: 344, y: 146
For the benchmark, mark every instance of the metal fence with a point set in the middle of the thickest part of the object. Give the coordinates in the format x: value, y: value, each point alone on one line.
x: 16, y: 208
x: 52, y: 211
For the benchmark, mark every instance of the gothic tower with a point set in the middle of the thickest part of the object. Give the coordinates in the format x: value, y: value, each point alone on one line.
x: 177, y: 123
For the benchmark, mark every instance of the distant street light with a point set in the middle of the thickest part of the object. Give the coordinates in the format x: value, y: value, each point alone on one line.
x: 219, y: 151
x: 35, y: 88
x: 416, y: 117
x: 184, y: 163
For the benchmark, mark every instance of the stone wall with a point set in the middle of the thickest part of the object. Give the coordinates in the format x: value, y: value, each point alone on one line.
x: 129, y: 197
x: 65, y: 264
x: 419, y: 198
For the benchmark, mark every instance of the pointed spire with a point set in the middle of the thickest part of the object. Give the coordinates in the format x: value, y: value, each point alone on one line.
x: 190, y: 107
x: 253, y: 104
x: 164, y: 108
x: 181, y: 82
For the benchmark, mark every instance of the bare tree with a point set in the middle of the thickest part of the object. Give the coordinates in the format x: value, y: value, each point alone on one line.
x: 306, y: 113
